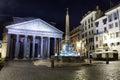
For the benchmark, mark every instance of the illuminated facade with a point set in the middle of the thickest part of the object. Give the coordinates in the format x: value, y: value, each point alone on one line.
x: 0, y: 48
x: 75, y: 37
x: 30, y: 40
x: 88, y: 30
x: 108, y: 30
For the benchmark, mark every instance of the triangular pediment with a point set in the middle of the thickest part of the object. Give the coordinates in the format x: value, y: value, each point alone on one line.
x: 35, y: 25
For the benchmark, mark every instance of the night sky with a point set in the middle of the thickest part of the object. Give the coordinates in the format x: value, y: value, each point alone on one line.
x: 53, y: 10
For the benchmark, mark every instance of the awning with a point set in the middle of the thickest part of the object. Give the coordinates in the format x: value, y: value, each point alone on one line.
x: 104, y: 52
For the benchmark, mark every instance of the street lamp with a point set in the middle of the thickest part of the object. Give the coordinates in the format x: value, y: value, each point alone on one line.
x: 106, y: 47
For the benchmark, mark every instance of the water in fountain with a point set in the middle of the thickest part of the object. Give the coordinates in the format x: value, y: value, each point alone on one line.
x: 67, y: 51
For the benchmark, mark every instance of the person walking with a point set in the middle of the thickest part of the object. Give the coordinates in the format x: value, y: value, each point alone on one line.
x: 90, y: 57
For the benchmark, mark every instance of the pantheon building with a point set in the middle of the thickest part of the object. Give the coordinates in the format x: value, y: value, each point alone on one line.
x: 33, y: 39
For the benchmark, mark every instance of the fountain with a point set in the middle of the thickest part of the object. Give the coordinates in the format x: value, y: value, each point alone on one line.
x: 67, y: 54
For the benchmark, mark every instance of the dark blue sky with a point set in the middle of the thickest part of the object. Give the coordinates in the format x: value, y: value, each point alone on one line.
x: 53, y: 10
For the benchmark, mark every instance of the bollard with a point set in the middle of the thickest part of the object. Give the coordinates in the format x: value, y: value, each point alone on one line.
x: 52, y: 62
x: 107, y: 59
x: 90, y: 60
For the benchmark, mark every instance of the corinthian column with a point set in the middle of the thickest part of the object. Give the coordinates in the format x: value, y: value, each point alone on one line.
x: 25, y: 46
x: 17, y: 46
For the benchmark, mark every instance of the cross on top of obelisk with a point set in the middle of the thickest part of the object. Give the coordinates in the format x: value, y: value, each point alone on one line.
x: 67, y: 10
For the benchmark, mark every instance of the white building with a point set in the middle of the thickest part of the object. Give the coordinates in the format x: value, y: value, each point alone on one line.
x: 88, y: 30
x: 107, y: 29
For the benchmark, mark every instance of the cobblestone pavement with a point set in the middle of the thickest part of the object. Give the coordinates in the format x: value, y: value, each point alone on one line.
x: 25, y: 70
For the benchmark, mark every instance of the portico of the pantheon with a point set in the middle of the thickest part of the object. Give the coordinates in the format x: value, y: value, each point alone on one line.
x: 34, y: 39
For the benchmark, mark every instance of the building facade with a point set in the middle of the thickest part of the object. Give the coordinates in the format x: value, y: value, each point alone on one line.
x: 75, y: 37
x: 108, y: 30
x: 30, y: 40
x: 88, y: 23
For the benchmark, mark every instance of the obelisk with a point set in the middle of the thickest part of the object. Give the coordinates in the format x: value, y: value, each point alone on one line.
x: 67, y: 37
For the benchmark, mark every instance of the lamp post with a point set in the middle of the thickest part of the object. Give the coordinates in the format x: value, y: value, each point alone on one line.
x: 107, y: 47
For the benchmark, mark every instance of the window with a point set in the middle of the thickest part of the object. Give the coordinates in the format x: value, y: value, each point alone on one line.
x: 105, y: 20
x: 105, y: 29
x: 89, y: 33
x: 96, y: 24
x: 83, y: 36
x: 117, y: 34
x: 92, y: 47
x: 118, y: 43
x: 91, y: 18
x: 105, y: 44
x: 110, y: 26
x: 88, y: 20
x: 92, y: 39
x: 96, y: 38
x: 97, y: 31
x: 91, y: 24
x: 116, y: 24
x: 110, y: 18
x: 89, y: 39
x: 112, y: 44
x: 96, y: 45
x: 0, y: 45
x: 86, y: 41
x: 92, y: 31
x: 115, y: 15
x: 85, y: 28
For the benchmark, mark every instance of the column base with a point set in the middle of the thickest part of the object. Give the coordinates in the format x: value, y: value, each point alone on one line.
x: 24, y: 58
x: 15, y: 58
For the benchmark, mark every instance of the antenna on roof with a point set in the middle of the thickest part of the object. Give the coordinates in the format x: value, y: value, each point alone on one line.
x: 111, y: 4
